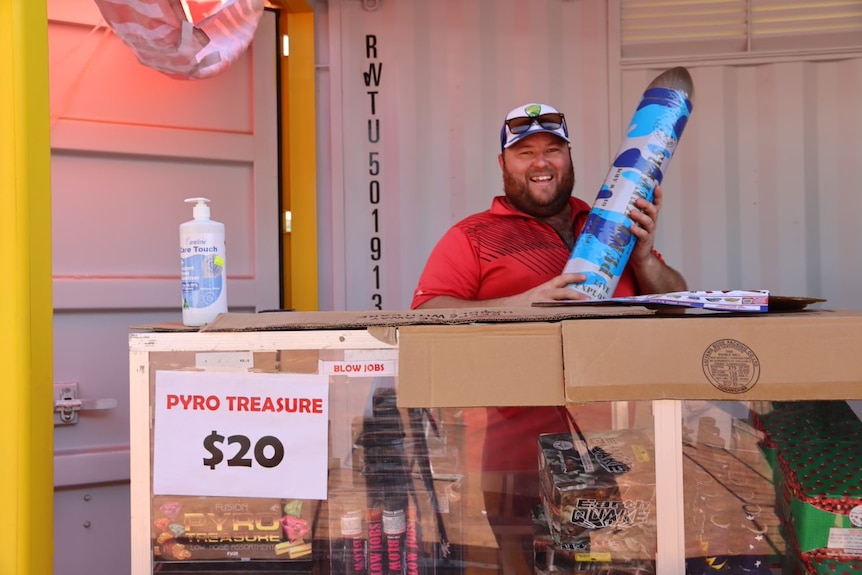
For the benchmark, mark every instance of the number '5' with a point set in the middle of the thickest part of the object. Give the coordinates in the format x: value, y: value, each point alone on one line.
x: 373, y: 164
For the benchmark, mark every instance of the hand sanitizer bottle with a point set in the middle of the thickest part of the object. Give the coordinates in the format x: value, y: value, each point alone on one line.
x: 202, y: 270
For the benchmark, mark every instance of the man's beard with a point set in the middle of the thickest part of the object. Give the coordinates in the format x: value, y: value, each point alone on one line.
x: 520, y: 196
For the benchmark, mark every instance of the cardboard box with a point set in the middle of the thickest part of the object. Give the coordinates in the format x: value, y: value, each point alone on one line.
x: 549, y: 558
x: 480, y: 365
x: 718, y: 356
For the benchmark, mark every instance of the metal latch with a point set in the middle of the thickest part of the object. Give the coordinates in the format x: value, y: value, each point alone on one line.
x: 67, y: 405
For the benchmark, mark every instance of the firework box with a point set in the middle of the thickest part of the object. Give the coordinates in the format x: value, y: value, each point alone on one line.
x: 598, y: 492
x: 728, y: 497
x: 191, y: 529
x: 548, y: 557
x: 816, y: 447
x: 819, y: 561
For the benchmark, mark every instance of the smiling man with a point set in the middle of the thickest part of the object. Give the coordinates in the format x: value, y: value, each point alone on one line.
x: 512, y: 255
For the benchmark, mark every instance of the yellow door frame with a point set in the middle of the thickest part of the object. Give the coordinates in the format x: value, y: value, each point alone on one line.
x: 298, y: 159
x: 26, y: 369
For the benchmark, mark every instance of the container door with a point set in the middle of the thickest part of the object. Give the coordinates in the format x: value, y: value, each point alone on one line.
x: 129, y: 144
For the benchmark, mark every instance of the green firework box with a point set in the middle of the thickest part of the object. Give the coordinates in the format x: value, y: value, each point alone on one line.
x: 816, y: 448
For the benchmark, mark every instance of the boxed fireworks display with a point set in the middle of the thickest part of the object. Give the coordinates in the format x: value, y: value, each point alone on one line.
x: 598, y: 493
x: 382, y: 514
x: 815, y: 448
x: 190, y: 532
x: 549, y: 557
x: 193, y: 529
x: 393, y: 489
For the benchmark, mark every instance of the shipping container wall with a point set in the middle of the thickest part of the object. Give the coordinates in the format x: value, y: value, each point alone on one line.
x: 413, y: 93
x: 418, y: 94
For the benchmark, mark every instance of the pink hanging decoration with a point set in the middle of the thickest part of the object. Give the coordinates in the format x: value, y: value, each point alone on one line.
x: 184, y: 38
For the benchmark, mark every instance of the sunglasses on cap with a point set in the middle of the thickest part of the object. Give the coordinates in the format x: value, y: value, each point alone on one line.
x: 549, y: 121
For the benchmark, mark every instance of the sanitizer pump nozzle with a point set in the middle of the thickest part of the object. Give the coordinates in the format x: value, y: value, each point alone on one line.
x: 201, y: 211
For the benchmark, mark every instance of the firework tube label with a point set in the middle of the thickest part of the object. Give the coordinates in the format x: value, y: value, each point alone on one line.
x: 606, y: 242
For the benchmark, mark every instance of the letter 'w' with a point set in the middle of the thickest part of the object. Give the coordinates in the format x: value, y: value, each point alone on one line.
x: 372, y: 76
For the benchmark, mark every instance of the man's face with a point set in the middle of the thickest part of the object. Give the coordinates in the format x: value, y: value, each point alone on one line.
x: 538, y: 176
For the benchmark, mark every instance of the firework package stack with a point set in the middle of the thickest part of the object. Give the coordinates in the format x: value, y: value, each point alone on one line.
x: 397, y: 528
x: 598, y: 495
x: 816, y: 450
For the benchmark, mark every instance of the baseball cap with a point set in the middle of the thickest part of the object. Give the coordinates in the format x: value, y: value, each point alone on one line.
x: 532, y: 119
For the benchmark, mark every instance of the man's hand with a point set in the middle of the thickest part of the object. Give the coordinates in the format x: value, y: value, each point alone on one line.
x: 555, y: 289
x: 552, y: 290
x: 652, y: 274
x: 645, y: 219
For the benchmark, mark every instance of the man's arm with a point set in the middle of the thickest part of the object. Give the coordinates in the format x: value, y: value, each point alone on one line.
x: 552, y: 290
x: 655, y: 276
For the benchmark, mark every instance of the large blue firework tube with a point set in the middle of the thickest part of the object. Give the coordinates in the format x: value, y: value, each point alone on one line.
x: 606, y: 242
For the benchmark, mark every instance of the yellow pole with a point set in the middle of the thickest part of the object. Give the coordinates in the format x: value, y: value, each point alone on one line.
x: 299, y: 160
x: 26, y: 425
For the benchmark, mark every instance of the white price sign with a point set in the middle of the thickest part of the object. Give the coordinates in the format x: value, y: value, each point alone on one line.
x: 240, y: 434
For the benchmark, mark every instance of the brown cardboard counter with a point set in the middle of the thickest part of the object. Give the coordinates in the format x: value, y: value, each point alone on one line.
x: 717, y: 356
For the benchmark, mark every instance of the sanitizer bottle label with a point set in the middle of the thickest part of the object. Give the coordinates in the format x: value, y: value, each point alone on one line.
x: 202, y: 265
